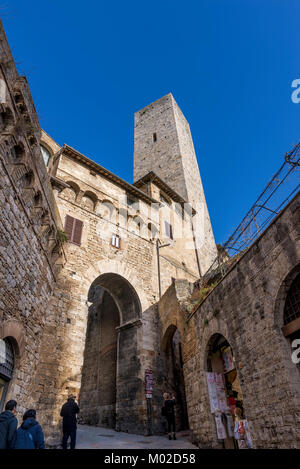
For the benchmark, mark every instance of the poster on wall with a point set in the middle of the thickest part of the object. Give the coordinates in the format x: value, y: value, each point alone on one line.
x: 216, y: 391
x: 227, y: 358
x: 221, y: 431
x: 212, y: 392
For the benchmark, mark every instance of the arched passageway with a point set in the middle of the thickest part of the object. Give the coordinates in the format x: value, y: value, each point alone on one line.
x: 174, y: 382
x: 110, y: 368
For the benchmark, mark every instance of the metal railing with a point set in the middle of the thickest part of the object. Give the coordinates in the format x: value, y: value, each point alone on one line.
x: 283, y: 186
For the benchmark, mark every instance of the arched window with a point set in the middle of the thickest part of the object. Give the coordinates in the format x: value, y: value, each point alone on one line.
x: 292, y: 302
x: 46, y: 155
x: 7, y: 360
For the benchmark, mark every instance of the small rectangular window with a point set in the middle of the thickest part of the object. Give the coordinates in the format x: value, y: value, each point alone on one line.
x: 168, y: 230
x: 73, y: 229
x: 154, y: 137
x: 116, y: 241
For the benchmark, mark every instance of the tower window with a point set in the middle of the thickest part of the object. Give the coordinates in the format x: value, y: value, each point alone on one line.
x: 116, y: 241
x: 154, y: 137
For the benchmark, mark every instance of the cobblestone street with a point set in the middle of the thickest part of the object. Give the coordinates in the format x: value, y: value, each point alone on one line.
x: 106, y: 438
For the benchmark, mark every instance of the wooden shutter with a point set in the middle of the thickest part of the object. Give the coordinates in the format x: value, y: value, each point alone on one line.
x: 73, y: 229
x: 77, y: 232
x: 69, y: 223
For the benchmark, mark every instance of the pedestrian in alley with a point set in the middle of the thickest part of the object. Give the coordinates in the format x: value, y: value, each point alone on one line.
x: 68, y: 412
x: 168, y: 410
x: 8, y: 424
x: 30, y: 434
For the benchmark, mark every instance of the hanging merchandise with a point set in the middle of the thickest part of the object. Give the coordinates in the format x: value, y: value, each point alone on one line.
x: 229, y: 422
x: 221, y: 431
x: 221, y: 395
x: 228, y: 362
x: 212, y: 392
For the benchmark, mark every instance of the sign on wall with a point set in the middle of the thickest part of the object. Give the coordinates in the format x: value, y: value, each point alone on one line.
x: 148, y: 383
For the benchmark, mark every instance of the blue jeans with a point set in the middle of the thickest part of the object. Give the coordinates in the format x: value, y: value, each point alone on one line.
x: 66, y: 435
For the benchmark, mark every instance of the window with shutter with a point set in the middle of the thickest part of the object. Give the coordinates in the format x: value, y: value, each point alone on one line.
x: 73, y: 229
x: 168, y: 230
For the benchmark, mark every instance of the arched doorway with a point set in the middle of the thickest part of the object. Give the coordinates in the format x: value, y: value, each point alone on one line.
x: 224, y: 390
x: 7, y: 360
x: 111, y: 368
x: 291, y: 318
x: 174, y: 377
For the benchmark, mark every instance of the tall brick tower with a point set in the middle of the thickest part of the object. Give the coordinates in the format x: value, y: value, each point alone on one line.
x: 163, y: 144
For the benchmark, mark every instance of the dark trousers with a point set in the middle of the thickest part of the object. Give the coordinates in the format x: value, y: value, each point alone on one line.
x: 171, y: 423
x: 66, y: 434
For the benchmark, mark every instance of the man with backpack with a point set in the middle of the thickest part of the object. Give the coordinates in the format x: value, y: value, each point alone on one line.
x: 8, y: 424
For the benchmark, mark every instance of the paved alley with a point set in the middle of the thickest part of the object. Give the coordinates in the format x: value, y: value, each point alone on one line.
x: 105, y: 438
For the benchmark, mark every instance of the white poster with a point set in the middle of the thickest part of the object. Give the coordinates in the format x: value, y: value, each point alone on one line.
x: 216, y: 390
x: 221, y: 431
x: 212, y: 391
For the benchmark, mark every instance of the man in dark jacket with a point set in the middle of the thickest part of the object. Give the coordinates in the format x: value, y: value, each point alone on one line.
x: 68, y: 413
x: 169, y: 412
x: 30, y: 434
x: 8, y: 425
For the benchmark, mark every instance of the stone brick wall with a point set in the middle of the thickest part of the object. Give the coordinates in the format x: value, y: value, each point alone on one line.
x: 246, y: 307
x: 29, y: 248
x: 171, y: 155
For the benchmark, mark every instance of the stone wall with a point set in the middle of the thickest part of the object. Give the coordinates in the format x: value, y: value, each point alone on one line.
x: 163, y: 144
x: 246, y: 307
x: 29, y: 247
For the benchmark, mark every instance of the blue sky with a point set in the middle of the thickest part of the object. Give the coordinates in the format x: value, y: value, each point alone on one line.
x: 228, y: 63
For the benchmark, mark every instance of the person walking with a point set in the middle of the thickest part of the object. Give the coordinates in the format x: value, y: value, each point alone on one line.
x: 168, y: 411
x: 30, y: 434
x: 8, y: 424
x: 68, y: 413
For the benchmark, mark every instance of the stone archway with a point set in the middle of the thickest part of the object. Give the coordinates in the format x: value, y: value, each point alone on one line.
x: 224, y: 389
x: 11, y: 353
x: 110, y: 377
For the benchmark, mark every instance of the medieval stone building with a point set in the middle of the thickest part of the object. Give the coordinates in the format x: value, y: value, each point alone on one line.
x: 99, y: 278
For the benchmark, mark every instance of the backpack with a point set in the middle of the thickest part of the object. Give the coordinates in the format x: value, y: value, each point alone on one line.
x: 23, y: 439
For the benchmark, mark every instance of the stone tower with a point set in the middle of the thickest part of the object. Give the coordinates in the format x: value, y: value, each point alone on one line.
x: 163, y: 144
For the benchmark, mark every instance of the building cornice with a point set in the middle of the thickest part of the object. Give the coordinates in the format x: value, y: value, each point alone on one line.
x: 131, y: 189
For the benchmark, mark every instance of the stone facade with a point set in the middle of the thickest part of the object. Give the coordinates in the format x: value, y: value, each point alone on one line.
x: 129, y: 276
